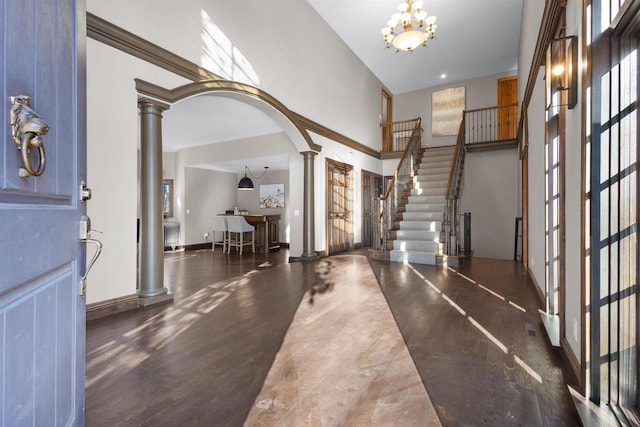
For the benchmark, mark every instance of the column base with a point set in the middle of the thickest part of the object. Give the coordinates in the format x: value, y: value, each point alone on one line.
x: 313, y: 257
x: 147, y: 301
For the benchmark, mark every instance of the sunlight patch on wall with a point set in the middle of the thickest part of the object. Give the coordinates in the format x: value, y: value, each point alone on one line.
x: 220, y: 56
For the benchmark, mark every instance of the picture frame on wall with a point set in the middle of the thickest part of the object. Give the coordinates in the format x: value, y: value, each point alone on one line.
x: 447, y: 106
x: 271, y: 196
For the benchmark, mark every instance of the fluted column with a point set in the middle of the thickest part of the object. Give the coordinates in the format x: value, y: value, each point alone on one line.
x: 151, y: 287
x: 308, y: 242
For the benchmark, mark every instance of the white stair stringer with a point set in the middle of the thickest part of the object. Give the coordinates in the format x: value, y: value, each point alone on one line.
x: 418, y: 237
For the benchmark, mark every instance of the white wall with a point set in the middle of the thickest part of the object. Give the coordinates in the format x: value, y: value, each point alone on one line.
x: 573, y: 172
x: 479, y: 93
x: 490, y: 193
x: 573, y: 202
x: 536, y: 182
x: 112, y: 164
x: 300, y: 61
x: 261, y: 146
x: 250, y: 200
x: 207, y: 193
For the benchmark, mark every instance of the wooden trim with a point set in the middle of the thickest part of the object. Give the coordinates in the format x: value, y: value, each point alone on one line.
x: 125, y: 41
x: 573, y: 362
x: 196, y: 246
x: 481, y: 146
x: 525, y: 210
x: 321, y: 130
x: 391, y: 155
x: 550, y: 19
x: 539, y: 293
x: 209, y: 86
x: 112, y: 306
x: 495, y: 107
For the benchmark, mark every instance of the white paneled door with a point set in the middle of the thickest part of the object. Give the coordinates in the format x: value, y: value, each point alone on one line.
x: 42, y: 168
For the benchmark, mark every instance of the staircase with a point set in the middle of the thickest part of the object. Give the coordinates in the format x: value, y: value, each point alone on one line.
x: 416, y: 231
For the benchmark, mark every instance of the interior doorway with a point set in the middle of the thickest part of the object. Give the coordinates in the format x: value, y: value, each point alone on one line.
x: 386, y: 120
x: 371, y: 191
x: 339, y: 206
x: 507, y: 117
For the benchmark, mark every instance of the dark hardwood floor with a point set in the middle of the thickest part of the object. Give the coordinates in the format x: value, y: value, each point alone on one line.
x: 479, y: 348
x: 478, y: 342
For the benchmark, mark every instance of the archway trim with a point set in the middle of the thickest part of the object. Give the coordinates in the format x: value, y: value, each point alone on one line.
x: 220, y: 86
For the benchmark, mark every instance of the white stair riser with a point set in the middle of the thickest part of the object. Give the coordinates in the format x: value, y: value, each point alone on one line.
x: 424, y: 207
x: 433, y: 176
x: 428, y: 192
x: 417, y: 235
x: 429, y: 183
x: 435, y: 226
x: 438, y: 200
x: 415, y: 245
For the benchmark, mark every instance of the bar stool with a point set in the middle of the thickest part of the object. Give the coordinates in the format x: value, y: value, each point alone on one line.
x: 220, y: 226
x: 237, y: 227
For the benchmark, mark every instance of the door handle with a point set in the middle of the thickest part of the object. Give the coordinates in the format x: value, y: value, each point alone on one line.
x: 85, y: 237
x: 27, y: 130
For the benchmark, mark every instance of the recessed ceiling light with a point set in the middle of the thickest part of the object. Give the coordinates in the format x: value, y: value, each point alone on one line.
x: 442, y: 76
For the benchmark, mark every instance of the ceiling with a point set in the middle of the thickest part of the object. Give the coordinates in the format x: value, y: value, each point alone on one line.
x: 474, y: 38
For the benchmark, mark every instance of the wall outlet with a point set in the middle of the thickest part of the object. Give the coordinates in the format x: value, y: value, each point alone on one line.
x: 206, y: 236
x: 531, y: 261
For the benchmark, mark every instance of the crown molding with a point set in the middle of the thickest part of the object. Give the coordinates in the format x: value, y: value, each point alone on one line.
x: 321, y: 130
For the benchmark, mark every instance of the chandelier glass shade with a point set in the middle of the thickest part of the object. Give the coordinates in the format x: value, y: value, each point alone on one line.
x: 409, y: 28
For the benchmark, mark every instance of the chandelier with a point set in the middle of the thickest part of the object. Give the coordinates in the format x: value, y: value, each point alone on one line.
x: 417, y: 26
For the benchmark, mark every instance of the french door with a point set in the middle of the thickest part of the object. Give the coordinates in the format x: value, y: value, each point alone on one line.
x: 339, y: 206
x: 371, y: 190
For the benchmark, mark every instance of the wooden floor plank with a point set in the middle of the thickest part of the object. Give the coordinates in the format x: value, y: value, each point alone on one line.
x: 472, y: 347
x: 204, y: 359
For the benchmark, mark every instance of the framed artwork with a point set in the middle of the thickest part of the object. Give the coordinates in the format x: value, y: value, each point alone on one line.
x: 271, y: 196
x: 446, y: 111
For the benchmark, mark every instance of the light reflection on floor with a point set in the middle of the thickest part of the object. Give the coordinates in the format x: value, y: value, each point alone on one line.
x: 476, y: 324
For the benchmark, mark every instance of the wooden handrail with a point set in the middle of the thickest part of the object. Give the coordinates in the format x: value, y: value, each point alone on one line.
x: 459, y: 142
x: 416, y: 129
x: 515, y: 104
x: 400, y: 122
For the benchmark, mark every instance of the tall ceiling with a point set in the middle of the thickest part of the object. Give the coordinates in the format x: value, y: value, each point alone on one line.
x: 474, y: 38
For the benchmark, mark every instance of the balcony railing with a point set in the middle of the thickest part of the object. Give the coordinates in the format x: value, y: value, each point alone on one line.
x: 491, y: 124
x: 396, y: 136
x: 484, y: 127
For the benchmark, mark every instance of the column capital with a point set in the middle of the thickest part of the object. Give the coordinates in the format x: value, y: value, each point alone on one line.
x: 144, y: 103
x: 308, y: 154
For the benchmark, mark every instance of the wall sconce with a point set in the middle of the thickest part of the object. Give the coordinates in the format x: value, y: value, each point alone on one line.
x: 246, y: 183
x: 562, y: 72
